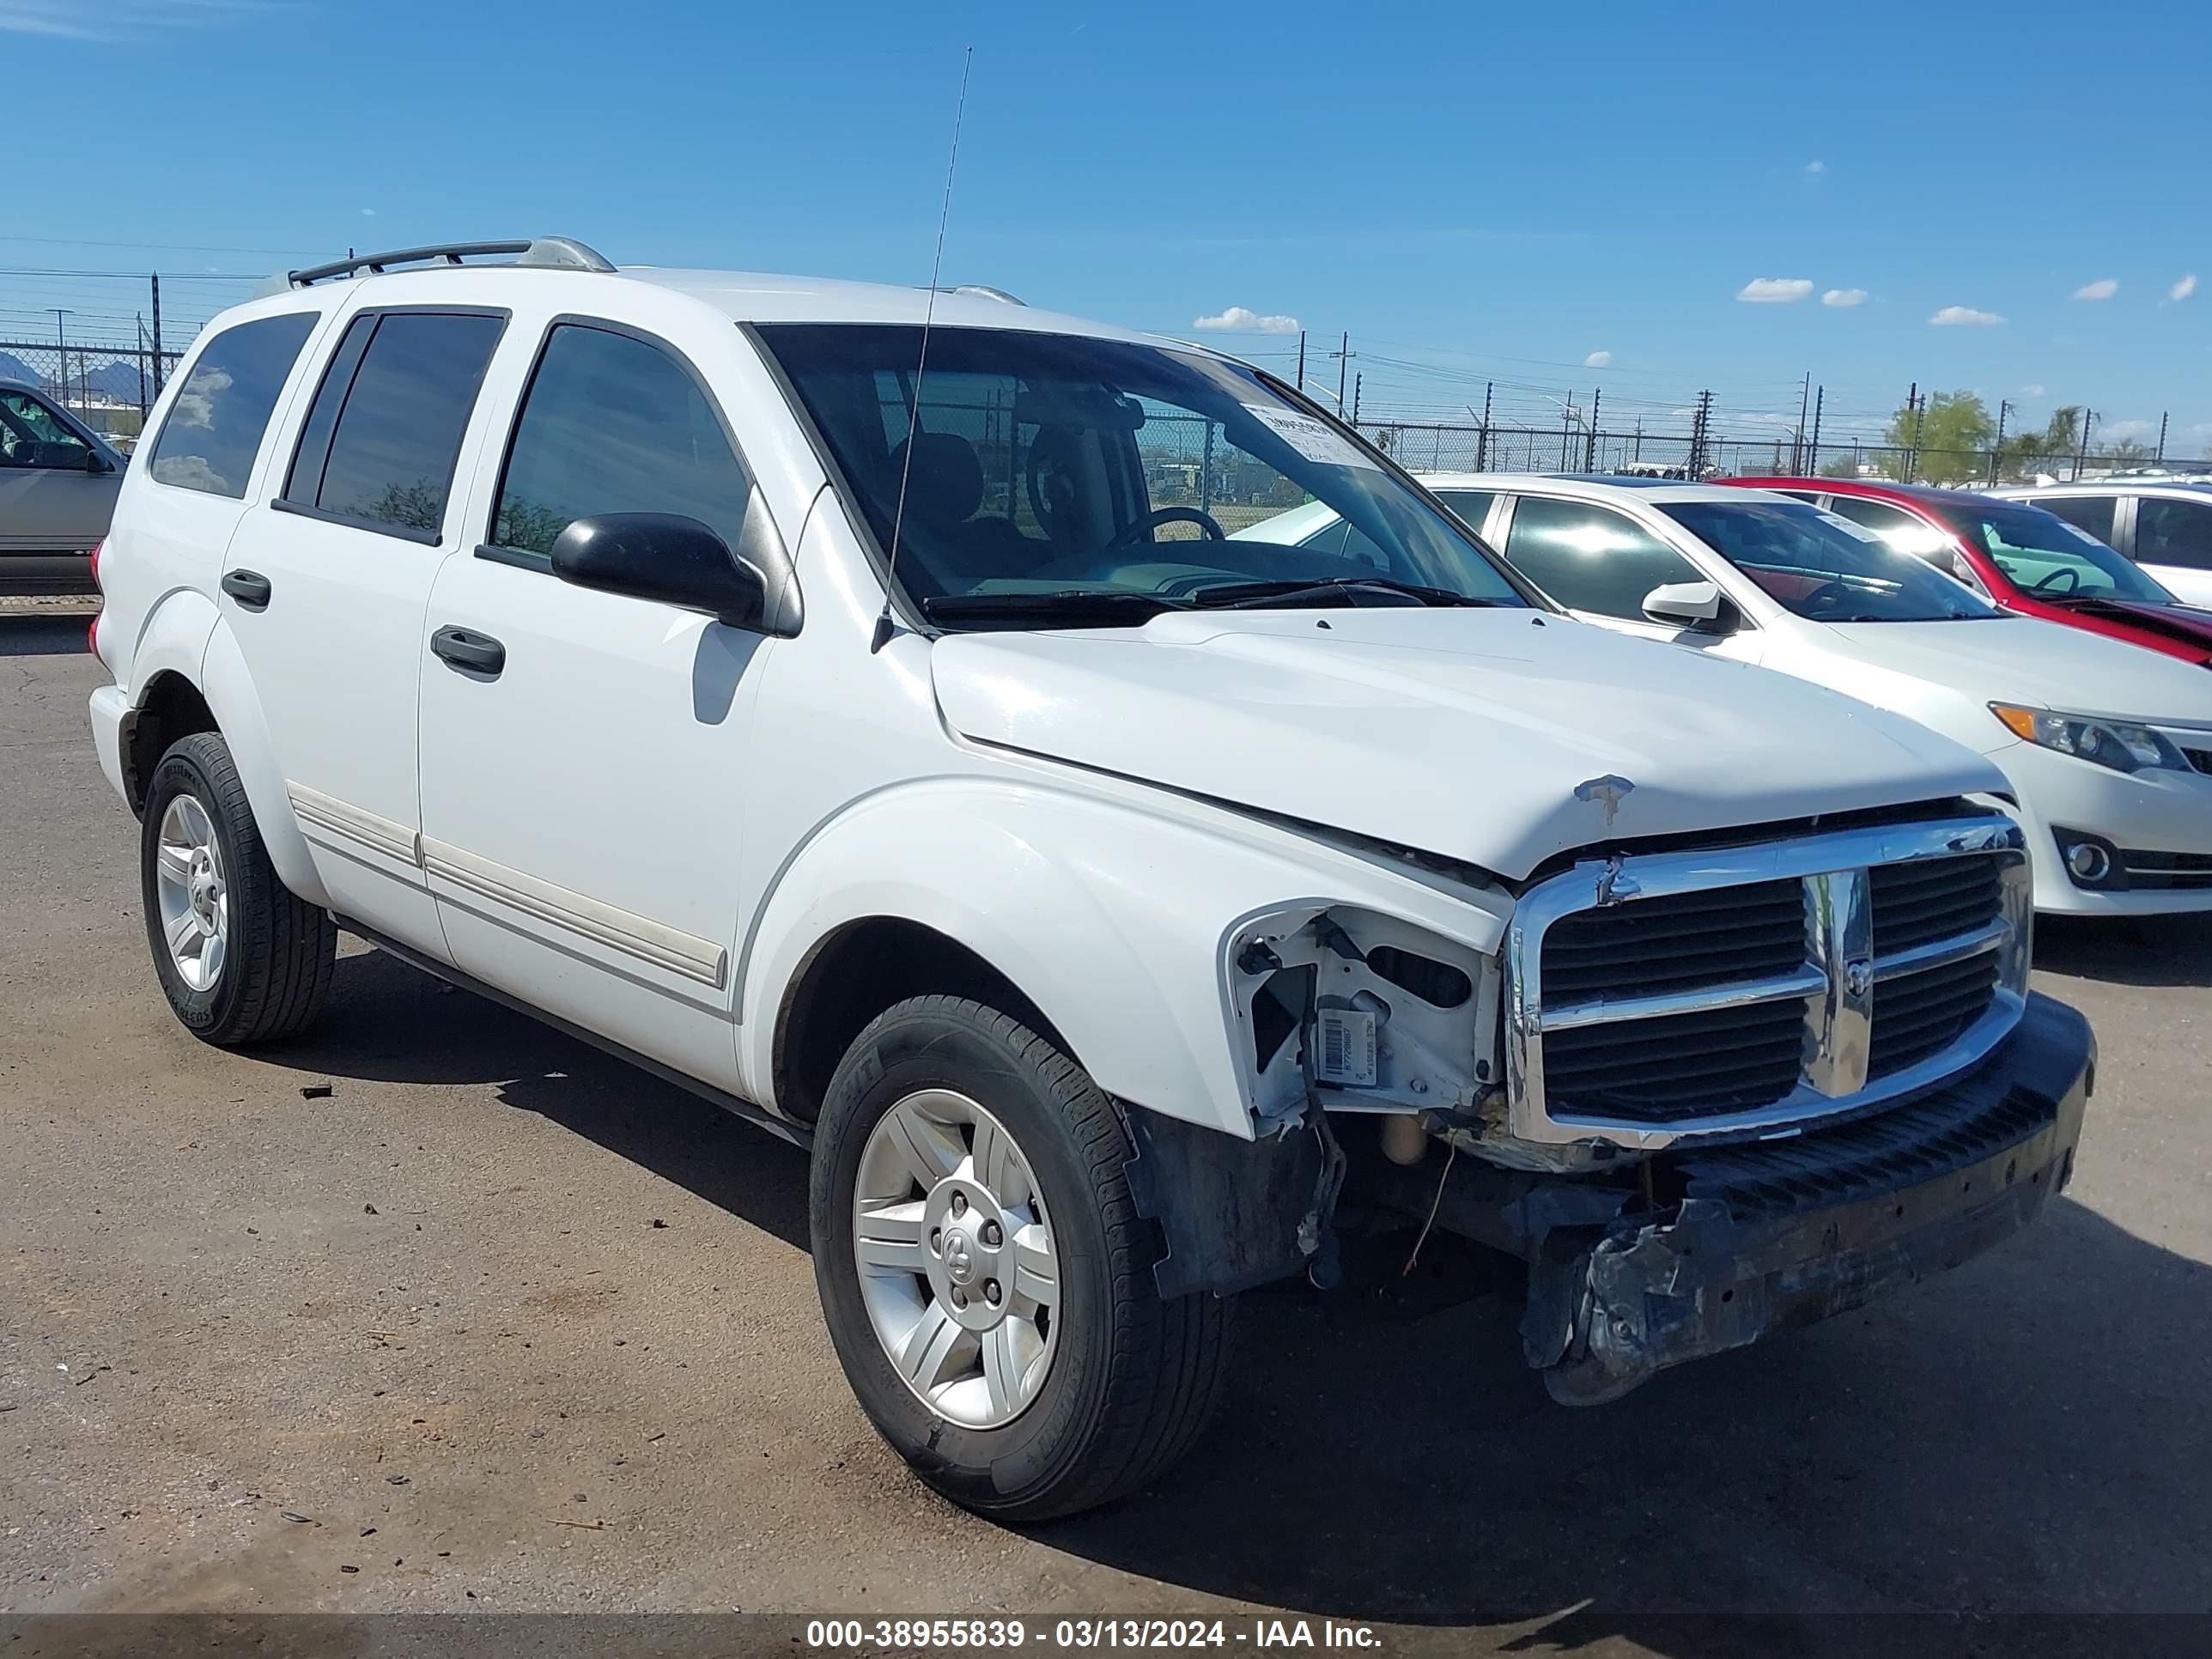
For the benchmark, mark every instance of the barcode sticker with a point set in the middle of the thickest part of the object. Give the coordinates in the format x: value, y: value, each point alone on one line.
x: 1347, y: 1048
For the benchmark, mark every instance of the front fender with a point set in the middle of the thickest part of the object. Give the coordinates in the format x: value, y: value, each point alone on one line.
x: 1112, y: 917
x: 228, y: 688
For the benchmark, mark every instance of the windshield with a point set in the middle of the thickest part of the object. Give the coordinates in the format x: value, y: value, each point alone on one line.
x: 2049, y: 557
x: 1054, y: 478
x: 1823, y: 568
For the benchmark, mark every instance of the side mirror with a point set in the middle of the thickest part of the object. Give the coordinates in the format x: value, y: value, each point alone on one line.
x: 95, y: 463
x: 1700, y: 607
x: 662, y: 556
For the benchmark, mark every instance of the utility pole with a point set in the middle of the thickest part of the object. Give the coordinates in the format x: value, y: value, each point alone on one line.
x: 1911, y: 431
x: 61, y: 344
x: 1301, y: 341
x: 1697, y: 435
x: 1566, y: 428
x: 1813, y: 458
x: 1482, y: 432
x: 1638, y: 454
x: 1343, y: 363
x: 157, y: 333
x: 1590, y: 443
x: 2161, y: 433
x: 1797, y: 449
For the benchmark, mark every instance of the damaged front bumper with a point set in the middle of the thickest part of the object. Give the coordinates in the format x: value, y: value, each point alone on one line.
x: 1777, y: 1233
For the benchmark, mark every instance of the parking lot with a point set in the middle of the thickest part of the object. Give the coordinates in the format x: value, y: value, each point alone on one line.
x: 436, y: 1310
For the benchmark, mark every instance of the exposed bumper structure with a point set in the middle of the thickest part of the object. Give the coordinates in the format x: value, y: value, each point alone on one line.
x: 1784, y: 1233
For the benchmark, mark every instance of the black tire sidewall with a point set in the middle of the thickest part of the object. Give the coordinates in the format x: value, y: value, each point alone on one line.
x: 947, y: 1047
x: 183, y: 771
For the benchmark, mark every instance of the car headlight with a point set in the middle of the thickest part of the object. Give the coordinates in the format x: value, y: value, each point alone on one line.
x: 2121, y: 745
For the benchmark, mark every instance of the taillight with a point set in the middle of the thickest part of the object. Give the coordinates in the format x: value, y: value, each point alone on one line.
x: 92, y: 631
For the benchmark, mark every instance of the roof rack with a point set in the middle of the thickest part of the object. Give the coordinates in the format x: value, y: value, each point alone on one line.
x: 549, y: 252
x: 977, y: 291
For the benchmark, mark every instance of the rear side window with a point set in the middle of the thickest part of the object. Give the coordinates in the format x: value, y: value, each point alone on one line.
x: 2169, y: 532
x: 1472, y: 505
x: 2091, y: 512
x: 613, y: 423
x: 216, y: 423
x: 379, y: 444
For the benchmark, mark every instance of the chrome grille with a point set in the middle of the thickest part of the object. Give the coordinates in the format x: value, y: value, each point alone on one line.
x: 1673, y: 994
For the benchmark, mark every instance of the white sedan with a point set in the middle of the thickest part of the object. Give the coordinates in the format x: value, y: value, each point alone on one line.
x: 2108, y: 746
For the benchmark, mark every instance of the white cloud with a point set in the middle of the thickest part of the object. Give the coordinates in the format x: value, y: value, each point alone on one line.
x: 2035, y: 391
x: 2184, y: 288
x: 2102, y: 289
x: 1964, y: 317
x: 1598, y: 359
x: 1237, y: 319
x: 1816, y: 167
x: 1844, y: 296
x: 1775, y: 290
x: 368, y: 213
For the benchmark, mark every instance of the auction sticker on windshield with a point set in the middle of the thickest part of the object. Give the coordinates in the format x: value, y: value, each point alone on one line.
x: 1312, y: 438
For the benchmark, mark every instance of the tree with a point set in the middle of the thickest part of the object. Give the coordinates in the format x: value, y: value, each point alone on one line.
x: 1843, y: 466
x: 2027, y: 453
x: 1950, y: 434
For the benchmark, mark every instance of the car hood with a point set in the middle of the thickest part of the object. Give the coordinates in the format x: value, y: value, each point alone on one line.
x: 1496, y: 737
x: 2044, y: 664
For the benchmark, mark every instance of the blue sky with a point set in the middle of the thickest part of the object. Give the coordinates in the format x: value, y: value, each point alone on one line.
x: 1472, y: 193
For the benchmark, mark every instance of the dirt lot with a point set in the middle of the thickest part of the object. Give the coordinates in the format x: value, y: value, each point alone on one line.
x: 490, y: 1322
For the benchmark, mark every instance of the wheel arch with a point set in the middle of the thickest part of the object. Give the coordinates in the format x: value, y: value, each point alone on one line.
x: 226, y: 685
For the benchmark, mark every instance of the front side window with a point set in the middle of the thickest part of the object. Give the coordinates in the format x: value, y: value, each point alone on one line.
x: 614, y: 424
x: 1907, y: 533
x: 216, y: 419
x: 2091, y: 512
x: 379, y: 444
x: 2170, y: 532
x: 32, y: 435
x: 1824, y: 567
x: 1051, y: 475
x: 1590, y: 558
x: 2049, y: 557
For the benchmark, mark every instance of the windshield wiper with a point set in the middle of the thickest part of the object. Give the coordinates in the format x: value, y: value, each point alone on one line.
x: 1067, y: 608
x: 1252, y: 596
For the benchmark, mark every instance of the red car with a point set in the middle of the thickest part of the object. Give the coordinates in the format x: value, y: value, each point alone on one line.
x: 2021, y: 556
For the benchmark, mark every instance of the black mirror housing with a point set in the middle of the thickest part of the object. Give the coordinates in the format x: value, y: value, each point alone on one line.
x: 665, y: 558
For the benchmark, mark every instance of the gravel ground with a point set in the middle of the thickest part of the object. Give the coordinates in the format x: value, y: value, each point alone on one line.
x: 437, y: 1310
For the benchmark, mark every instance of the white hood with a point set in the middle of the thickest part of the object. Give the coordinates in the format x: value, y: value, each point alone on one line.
x: 2020, y: 660
x: 1496, y: 737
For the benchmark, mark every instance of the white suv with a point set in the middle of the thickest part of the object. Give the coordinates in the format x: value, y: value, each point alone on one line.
x: 1099, y: 903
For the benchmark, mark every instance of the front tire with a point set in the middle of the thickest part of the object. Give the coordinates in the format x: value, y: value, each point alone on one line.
x: 240, y: 959
x: 987, y: 1280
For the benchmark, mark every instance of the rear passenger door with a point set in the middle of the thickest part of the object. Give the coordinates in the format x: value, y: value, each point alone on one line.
x: 326, y: 588
x: 584, y: 796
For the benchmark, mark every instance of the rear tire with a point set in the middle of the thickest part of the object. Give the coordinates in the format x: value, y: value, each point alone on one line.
x: 240, y: 959
x: 1099, y: 1383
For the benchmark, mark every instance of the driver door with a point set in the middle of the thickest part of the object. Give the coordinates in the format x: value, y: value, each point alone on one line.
x: 56, y: 490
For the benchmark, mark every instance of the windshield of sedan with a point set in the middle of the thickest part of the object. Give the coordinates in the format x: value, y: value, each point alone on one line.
x: 2050, y: 558
x: 1057, y: 480
x: 1825, y: 568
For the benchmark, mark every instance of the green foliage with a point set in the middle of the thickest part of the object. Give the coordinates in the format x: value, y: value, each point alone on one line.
x: 1951, y: 434
x: 1843, y: 466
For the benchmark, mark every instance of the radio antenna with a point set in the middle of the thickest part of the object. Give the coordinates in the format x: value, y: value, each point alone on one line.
x: 884, y: 623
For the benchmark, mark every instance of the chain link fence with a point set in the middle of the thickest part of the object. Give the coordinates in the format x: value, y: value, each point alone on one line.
x: 109, y: 388
x: 1446, y: 446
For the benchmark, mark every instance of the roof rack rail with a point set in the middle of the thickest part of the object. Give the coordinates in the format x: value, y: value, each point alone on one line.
x: 550, y: 253
x: 977, y: 291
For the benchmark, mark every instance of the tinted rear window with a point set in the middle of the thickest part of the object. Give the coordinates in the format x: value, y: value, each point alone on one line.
x: 216, y: 423
x: 393, y: 405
